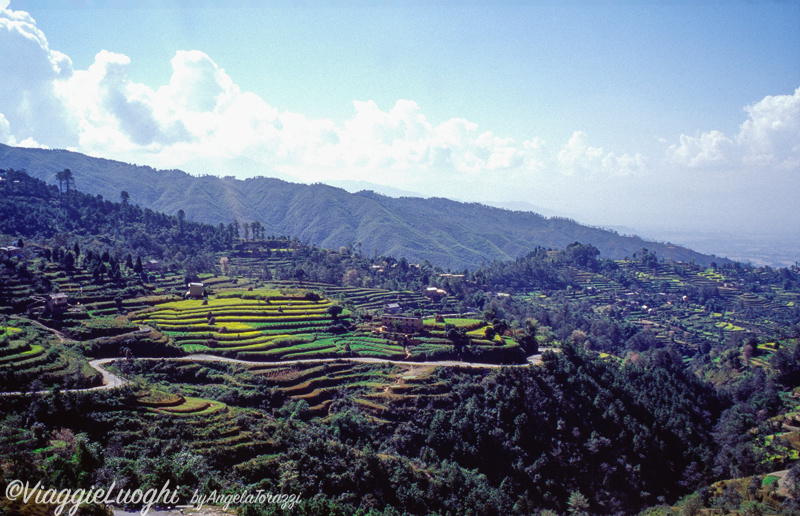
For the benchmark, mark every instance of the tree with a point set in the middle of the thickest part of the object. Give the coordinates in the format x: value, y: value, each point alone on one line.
x: 124, y: 196
x: 455, y: 335
x: 138, y: 267
x: 181, y: 219
x: 66, y: 183
x: 793, y: 480
x: 582, y: 255
x: 527, y: 340
x: 69, y: 261
x: 335, y: 311
x: 578, y: 504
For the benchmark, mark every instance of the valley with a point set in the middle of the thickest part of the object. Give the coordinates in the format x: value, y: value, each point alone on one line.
x: 140, y: 348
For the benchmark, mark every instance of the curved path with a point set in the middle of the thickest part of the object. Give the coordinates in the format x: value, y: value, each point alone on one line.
x: 112, y: 381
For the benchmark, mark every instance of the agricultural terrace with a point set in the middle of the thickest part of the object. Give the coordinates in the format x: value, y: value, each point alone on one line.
x: 236, y: 414
x: 272, y: 325
x: 257, y: 324
x: 29, y: 357
x: 654, y: 298
x: 472, y: 343
x: 384, y: 391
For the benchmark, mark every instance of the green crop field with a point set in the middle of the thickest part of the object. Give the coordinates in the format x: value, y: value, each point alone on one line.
x: 29, y: 357
x: 265, y: 324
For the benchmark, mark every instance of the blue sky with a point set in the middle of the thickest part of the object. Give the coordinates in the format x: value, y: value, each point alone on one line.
x: 678, y: 115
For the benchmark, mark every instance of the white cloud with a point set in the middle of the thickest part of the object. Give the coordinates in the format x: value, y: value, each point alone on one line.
x: 29, y: 69
x: 771, y: 134
x: 578, y: 157
x: 202, y: 114
x: 5, y: 130
x: 710, y: 148
x: 770, y: 137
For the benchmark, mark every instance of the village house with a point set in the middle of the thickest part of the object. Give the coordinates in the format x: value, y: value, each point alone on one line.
x: 405, y: 323
x: 57, y: 302
x: 195, y: 290
x: 434, y: 293
x: 11, y: 250
x: 392, y: 308
x: 153, y: 266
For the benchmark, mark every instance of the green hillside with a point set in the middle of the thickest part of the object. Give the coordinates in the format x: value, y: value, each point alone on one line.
x: 555, y: 383
x: 447, y: 233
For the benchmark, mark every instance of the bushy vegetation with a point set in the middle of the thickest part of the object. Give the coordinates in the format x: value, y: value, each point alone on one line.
x: 662, y: 385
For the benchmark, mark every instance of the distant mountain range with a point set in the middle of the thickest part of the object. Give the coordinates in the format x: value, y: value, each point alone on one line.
x: 450, y: 234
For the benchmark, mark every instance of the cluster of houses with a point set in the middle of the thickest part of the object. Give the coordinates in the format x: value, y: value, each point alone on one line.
x: 393, y: 318
x: 434, y: 293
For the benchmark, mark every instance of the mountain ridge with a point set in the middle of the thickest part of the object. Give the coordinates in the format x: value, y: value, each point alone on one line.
x: 448, y: 233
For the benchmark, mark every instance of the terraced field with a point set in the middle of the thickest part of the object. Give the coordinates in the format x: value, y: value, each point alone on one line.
x: 385, y: 391
x: 178, y: 405
x: 184, y: 396
x: 367, y: 299
x: 29, y: 359
x: 255, y: 324
x: 665, y: 311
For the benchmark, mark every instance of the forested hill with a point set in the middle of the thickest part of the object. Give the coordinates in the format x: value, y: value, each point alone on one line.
x: 447, y: 233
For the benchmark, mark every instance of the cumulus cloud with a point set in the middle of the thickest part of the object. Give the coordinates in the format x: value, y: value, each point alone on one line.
x: 710, y: 148
x: 5, y: 130
x: 201, y: 113
x: 30, y: 69
x: 578, y: 157
x: 769, y: 138
x: 771, y: 134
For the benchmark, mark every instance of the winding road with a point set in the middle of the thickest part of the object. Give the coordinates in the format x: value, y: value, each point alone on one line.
x: 112, y: 381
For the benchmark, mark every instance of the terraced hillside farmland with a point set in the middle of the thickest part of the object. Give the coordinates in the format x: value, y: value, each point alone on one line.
x: 272, y: 325
x: 30, y: 358
x: 361, y: 298
x: 255, y: 324
x: 680, y: 304
x: 384, y: 391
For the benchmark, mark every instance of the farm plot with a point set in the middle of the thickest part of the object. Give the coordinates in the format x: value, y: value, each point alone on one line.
x: 251, y: 324
x: 385, y: 391
x: 28, y: 360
